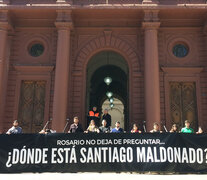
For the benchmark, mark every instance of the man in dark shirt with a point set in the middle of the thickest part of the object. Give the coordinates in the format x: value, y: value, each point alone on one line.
x: 76, y: 127
x: 104, y: 128
x: 107, y: 117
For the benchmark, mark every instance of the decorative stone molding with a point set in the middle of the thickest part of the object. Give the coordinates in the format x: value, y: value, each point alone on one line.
x: 32, y: 69
x: 151, y: 19
x: 150, y: 2
x: 151, y: 16
x: 105, y: 42
x: 64, y: 20
x: 151, y: 25
x: 4, y: 1
x: 182, y: 70
x: 5, y: 20
x: 60, y: 1
x: 107, y: 35
x: 205, y: 28
x: 170, y: 39
x: 64, y: 25
x: 64, y: 16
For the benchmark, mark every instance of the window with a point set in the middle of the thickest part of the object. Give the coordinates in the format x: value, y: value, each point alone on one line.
x: 180, y: 50
x: 36, y: 50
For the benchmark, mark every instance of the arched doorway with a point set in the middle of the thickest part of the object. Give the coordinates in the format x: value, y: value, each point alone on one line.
x: 107, y: 64
x: 116, y: 111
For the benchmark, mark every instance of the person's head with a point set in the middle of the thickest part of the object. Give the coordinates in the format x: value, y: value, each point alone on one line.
x: 75, y: 120
x: 174, y: 127
x: 94, y: 108
x: 135, y: 127
x: 104, y: 122
x: 92, y: 123
x: 105, y: 111
x: 156, y: 126
x: 117, y: 124
x: 200, y: 130
x: 187, y: 123
x: 15, y: 123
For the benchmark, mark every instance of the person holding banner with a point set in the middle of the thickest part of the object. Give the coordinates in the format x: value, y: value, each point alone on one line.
x: 156, y: 128
x: 200, y: 130
x: 187, y: 128
x: 174, y: 129
x: 76, y: 127
x: 117, y: 128
x: 104, y: 128
x: 92, y: 128
x: 15, y: 129
x: 135, y: 129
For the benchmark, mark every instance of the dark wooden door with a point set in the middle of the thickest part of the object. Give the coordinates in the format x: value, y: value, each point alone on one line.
x: 183, y: 105
x: 32, y: 106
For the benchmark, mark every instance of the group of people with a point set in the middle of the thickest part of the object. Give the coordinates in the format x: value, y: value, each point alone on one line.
x: 175, y: 128
x: 76, y: 127
x: 94, y: 115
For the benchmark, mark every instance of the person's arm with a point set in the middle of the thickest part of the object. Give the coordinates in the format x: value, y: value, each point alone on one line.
x: 69, y: 131
x: 109, y: 120
x: 80, y: 128
x: 9, y: 131
x: 100, y: 130
x: 97, y: 130
x: 20, y: 130
x: 182, y: 130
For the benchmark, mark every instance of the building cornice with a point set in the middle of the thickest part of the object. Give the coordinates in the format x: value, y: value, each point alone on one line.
x: 73, y: 4
x: 182, y: 70
x: 64, y: 20
x: 5, y: 23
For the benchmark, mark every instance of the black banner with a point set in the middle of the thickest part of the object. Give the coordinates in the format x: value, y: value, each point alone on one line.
x: 103, y: 153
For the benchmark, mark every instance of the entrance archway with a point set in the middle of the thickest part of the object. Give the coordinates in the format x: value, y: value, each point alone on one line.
x: 107, y: 64
x: 116, y: 112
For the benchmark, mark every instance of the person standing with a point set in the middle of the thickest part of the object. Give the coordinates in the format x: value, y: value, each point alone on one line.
x: 107, y: 117
x: 15, y: 129
x: 76, y: 127
x: 187, y: 128
x: 94, y: 115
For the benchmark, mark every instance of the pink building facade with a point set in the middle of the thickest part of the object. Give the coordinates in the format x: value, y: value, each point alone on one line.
x: 54, y: 55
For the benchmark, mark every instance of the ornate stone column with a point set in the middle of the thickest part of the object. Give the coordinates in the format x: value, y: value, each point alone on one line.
x: 64, y: 25
x: 4, y: 64
x: 151, y: 70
